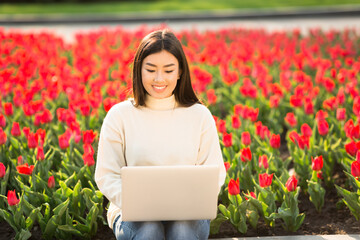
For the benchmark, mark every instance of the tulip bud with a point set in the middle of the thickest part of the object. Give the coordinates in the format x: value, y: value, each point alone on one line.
x: 306, y: 130
x: 265, y: 179
x: 227, y: 165
x: 8, y: 109
x: 291, y: 183
x: 3, y: 137
x: 245, y: 154
x: 234, y: 187
x: 2, y: 170
x: 227, y: 140
x: 11, y: 198
x: 15, y: 130
x: 323, y: 127
x: 235, y: 121
x: 355, y: 169
x: 2, y: 121
x: 40, y: 153
x: 88, y: 159
x: 51, y: 182
x: 275, y: 141
x: 263, y: 162
x: 341, y: 114
x: 245, y: 138
x: 317, y: 163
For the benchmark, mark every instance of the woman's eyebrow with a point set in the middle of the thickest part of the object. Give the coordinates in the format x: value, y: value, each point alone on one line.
x: 153, y: 65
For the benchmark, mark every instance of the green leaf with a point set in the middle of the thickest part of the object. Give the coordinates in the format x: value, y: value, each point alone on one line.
x: 14, y: 142
x: 224, y: 211
x: 50, y: 227
x: 351, y: 200
x: 216, y: 223
x: 60, y: 209
x: 9, y: 219
x: 32, y: 218
x: 70, y: 229
x: 24, y: 234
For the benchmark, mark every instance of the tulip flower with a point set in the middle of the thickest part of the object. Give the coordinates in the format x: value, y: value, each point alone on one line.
x: 323, y: 127
x: 2, y: 121
x: 46, y: 116
x: 291, y: 119
x: 245, y: 138
x: 64, y: 141
x: 265, y: 180
x: 25, y: 169
x: 32, y: 141
x: 2, y: 170
x: 88, y: 159
x: 51, y: 182
x: 88, y: 148
x: 227, y: 165
x: 234, y: 187
x: 15, y: 130
x: 317, y: 163
x: 11, y: 198
x: 221, y: 126
x: 341, y: 114
x: 227, y: 139
x: 351, y: 148
x: 275, y: 141
x: 306, y: 130
x: 263, y: 162
x: 308, y: 107
x: 355, y: 169
x: 88, y: 136
x: 291, y: 183
x: 210, y: 94
x: 235, y: 122
x: 8, y: 109
x: 321, y: 115
x: 295, y: 101
x: 356, y: 106
x: 245, y: 154
x: 274, y: 101
x: 40, y: 153
x: 3, y: 137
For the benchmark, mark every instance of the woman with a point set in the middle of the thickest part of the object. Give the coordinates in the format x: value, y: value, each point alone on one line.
x: 165, y: 124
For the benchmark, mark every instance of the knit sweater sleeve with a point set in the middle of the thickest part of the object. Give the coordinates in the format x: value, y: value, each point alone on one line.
x: 209, y: 150
x: 110, y: 157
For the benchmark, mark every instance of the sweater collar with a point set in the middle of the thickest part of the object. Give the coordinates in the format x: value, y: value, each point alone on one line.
x: 168, y: 103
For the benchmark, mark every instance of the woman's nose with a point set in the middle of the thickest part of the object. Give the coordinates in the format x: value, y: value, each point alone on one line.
x: 158, y: 77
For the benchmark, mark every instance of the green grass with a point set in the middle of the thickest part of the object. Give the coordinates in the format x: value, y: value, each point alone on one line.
x: 162, y: 5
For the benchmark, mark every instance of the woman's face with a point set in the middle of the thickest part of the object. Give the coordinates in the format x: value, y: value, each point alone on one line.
x: 160, y: 72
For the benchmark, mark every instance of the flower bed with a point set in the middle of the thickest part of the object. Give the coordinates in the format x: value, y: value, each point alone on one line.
x: 267, y: 91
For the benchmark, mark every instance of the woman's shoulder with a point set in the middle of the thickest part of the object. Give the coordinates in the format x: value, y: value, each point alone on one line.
x: 200, y: 110
x: 121, y: 108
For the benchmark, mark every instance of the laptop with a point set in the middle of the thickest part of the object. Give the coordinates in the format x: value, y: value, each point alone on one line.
x: 164, y: 193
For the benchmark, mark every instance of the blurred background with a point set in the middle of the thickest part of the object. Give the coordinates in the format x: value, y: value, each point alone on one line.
x: 66, y: 17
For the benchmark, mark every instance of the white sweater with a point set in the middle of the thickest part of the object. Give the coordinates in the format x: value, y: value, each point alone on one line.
x: 162, y: 133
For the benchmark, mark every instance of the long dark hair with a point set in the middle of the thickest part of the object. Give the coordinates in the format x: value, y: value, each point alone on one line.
x: 156, y: 42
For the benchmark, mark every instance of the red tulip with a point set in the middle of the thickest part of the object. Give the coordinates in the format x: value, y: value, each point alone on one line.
x: 319, y: 174
x: 25, y: 169
x: 321, y: 115
x: 8, y: 109
x: 358, y: 156
x: 235, y: 121
x: 46, y: 116
x: 234, y: 187
x: 355, y: 169
x: 3, y: 137
x: 51, y: 182
x: 341, y: 114
x: 351, y: 148
x: 291, y: 183
x: 245, y: 154
x: 275, y: 141
x: 211, y: 96
x: 88, y: 159
x: 323, y: 127
x: 227, y: 165
x: 356, y: 106
x: 306, y: 130
x: 274, y: 101
x: 11, y: 198
x: 2, y: 121
x: 88, y: 148
x: 15, y: 130
x: 317, y: 163
x: 263, y: 162
x: 26, y: 131
x: 309, y: 107
x: 221, y: 126
x: 40, y: 153
x: 245, y: 138
x: 64, y: 141
x: 227, y: 139
x: 295, y: 101
x: 291, y: 119
x: 89, y: 136
x: 2, y: 170
x: 32, y: 141
x: 265, y: 179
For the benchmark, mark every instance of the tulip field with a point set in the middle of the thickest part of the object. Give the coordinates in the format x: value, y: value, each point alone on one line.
x: 286, y: 106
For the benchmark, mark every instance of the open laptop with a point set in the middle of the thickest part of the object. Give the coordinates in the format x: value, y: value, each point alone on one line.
x: 162, y: 193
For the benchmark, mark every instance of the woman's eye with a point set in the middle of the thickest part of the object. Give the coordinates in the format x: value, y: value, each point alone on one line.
x: 150, y: 70
x: 169, y: 71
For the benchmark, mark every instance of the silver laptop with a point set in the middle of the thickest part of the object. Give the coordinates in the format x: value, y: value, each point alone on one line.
x: 161, y: 193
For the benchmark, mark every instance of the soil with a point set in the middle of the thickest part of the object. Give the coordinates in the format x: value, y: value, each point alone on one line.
x: 334, y: 219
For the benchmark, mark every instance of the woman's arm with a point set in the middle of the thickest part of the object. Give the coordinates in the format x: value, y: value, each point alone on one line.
x: 110, y: 159
x: 210, y: 151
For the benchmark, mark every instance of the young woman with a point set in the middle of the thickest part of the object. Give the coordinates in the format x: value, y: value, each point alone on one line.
x: 164, y: 124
